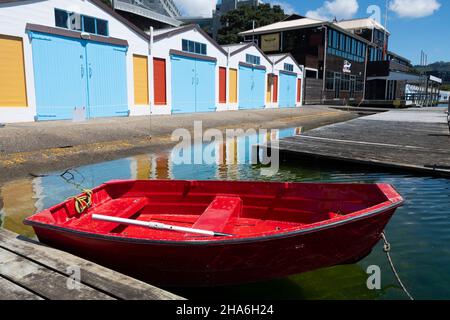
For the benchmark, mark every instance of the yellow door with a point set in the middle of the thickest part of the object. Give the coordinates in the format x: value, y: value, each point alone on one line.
x: 13, y: 92
x: 233, y: 86
x: 140, y: 67
x: 269, y: 89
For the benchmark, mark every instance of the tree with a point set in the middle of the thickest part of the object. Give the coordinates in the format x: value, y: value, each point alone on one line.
x: 241, y: 19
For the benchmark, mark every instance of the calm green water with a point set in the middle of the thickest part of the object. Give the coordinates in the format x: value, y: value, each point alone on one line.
x: 419, y: 232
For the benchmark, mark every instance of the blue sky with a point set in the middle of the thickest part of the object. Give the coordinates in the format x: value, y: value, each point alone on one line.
x: 414, y: 24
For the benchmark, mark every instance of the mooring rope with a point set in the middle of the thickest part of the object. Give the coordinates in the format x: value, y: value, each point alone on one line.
x: 387, y: 249
x: 83, y: 201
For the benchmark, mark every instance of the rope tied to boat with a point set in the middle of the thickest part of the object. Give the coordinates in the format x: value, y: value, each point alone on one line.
x: 387, y: 249
x: 83, y: 201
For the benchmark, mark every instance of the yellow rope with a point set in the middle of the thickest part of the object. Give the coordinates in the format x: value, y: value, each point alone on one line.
x: 83, y: 201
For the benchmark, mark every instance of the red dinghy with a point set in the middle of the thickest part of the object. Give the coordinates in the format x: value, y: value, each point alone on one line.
x: 208, y: 233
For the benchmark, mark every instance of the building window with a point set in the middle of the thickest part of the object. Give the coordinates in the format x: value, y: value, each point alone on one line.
x: 253, y: 59
x: 344, y: 46
x: 289, y: 67
x: 345, y: 82
x: 89, y: 24
x: 74, y: 21
x: 193, y: 47
x: 61, y: 18
x: 329, y: 81
x: 102, y: 27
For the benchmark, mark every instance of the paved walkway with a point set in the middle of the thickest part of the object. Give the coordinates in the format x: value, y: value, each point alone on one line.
x: 43, y: 146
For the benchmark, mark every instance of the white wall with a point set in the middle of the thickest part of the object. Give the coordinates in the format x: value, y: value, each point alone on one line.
x: 13, y: 19
x: 233, y: 63
x: 161, y: 50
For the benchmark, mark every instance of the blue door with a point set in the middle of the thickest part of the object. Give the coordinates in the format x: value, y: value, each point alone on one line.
x: 193, y: 85
x: 72, y: 73
x: 259, y: 88
x: 205, y: 86
x: 60, y: 76
x: 288, y: 92
x: 107, y: 80
x: 251, y: 88
x: 183, y: 84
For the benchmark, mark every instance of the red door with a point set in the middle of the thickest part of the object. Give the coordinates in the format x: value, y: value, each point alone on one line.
x: 222, y: 85
x: 299, y: 89
x: 159, y: 81
x: 275, y: 88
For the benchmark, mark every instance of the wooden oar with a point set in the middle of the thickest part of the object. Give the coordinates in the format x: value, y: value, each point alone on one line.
x: 158, y: 226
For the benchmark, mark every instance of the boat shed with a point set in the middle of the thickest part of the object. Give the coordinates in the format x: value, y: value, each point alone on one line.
x: 248, y: 70
x: 64, y: 58
x: 285, y: 89
x: 186, y: 71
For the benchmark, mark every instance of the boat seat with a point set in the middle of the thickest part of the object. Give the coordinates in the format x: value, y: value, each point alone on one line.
x: 120, y: 208
x: 218, y: 214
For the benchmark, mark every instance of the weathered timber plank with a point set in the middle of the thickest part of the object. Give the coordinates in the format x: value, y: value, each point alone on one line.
x: 11, y: 291
x: 43, y: 281
x: 96, y: 276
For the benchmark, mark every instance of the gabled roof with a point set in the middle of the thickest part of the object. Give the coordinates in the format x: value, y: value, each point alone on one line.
x: 300, y: 23
x: 108, y: 10
x: 277, y: 58
x: 170, y: 32
x: 284, y: 25
x: 239, y: 47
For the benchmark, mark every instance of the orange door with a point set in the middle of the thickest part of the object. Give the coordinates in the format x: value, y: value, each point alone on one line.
x: 299, y: 89
x: 233, y: 86
x: 222, y: 85
x: 159, y: 81
x: 275, y: 88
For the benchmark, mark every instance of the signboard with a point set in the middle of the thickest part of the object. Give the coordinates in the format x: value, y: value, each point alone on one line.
x: 347, y: 67
x: 270, y: 42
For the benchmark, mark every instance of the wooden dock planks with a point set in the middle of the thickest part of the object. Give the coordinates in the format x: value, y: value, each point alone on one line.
x: 406, y: 145
x: 32, y: 271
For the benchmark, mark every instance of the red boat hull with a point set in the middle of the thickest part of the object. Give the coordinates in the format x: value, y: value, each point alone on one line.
x: 227, y: 261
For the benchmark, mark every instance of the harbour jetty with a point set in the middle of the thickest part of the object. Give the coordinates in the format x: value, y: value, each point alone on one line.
x: 31, y: 271
x: 415, y: 140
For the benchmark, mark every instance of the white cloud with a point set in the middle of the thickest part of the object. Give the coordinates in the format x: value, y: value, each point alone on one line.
x: 414, y: 8
x: 196, y: 7
x: 287, y: 7
x: 341, y: 9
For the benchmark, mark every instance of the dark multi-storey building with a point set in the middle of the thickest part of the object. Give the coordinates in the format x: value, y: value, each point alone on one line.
x: 346, y: 62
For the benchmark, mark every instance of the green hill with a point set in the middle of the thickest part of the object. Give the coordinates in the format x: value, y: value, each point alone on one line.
x: 439, y: 69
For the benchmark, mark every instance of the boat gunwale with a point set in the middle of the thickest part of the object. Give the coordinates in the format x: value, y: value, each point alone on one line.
x: 355, y: 216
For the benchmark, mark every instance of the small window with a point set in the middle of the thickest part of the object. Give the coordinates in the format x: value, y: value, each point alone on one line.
x: 185, y: 46
x: 289, y: 67
x: 89, y: 24
x: 193, y: 47
x: 102, y: 27
x: 61, y: 18
x: 251, y: 59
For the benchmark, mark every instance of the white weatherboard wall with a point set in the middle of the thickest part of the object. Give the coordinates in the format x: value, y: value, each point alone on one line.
x: 13, y: 19
x: 233, y: 63
x: 279, y: 62
x: 161, y: 49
